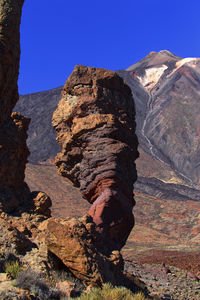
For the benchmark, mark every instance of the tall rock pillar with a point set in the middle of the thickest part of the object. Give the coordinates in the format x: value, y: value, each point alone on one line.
x: 10, y: 19
x: 13, y: 127
x: 95, y: 123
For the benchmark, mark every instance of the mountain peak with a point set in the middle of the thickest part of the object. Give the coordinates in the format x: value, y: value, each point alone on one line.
x: 155, y: 59
x: 167, y: 52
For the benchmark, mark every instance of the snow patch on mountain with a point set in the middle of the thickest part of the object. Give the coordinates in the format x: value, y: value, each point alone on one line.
x: 189, y: 60
x: 151, y: 77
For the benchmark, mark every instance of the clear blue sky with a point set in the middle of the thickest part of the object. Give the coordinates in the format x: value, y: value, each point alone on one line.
x: 112, y: 34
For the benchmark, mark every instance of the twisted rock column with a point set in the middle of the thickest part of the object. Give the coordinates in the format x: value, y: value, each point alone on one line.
x: 95, y: 123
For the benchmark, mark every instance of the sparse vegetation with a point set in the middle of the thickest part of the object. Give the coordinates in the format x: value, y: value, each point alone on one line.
x: 12, y: 268
x: 108, y: 292
x: 35, y: 283
x: 10, y: 295
x: 61, y: 275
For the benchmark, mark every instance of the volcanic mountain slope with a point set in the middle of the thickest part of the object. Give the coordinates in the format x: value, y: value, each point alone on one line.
x: 41, y: 136
x: 166, y: 89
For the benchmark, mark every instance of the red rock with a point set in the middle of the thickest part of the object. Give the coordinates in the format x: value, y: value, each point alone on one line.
x: 96, y: 131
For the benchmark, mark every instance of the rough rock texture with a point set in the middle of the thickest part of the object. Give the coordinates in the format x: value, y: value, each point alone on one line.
x: 14, y: 192
x: 21, y: 212
x: 23, y: 238
x: 10, y: 17
x: 15, y: 195
x: 13, y: 149
x: 40, y: 203
x: 13, y: 158
x: 96, y: 130
x: 79, y: 246
x: 74, y: 242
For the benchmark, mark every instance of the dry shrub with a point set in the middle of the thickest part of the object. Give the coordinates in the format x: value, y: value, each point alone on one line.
x: 108, y: 292
x: 12, y: 268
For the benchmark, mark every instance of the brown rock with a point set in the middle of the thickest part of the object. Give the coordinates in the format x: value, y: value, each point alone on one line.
x: 13, y: 158
x: 11, y: 239
x: 10, y: 18
x: 14, y: 192
x: 74, y: 242
x: 13, y: 127
x: 21, y: 212
x: 96, y: 130
x: 40, y: 203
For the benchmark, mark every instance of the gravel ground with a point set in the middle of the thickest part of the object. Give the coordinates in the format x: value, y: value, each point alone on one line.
x: 167, y: 282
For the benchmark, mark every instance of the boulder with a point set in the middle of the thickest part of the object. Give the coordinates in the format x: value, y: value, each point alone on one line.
x: 40, y: 204
x: 74, y: 241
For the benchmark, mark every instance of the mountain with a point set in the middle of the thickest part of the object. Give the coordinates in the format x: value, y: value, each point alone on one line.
x: 41, y: 136
x: 166, y: 91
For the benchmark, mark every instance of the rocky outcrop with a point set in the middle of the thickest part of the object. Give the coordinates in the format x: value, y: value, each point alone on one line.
x: 14, y: 192
x: 13, y: 158
x: 74, y: 242
x: 96, y: 130
x: 13, y: 149
x: 21, y: 211
x: 10, y: 19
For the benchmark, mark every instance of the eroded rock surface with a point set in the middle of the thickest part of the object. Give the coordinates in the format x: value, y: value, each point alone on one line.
x: 13, y: 158
x: 21, y: 212
x: 74, y: 242
x: 10, y: 19
x: 96, y: 130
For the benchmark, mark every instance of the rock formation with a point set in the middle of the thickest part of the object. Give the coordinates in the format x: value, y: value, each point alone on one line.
x: 13, y: 127
x: 13, y: 157
x: 13, y: 149
x: 21, y: 211
x: 96, y: 130
x: 74, y: 242
x: 9, y: 55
